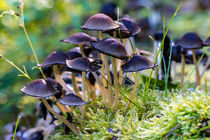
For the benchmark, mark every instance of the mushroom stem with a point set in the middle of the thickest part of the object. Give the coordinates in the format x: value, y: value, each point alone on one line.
x: 121, y: 72
x: 75, y: 86
x: 133, y: 91
x: 83, y: 95
x: 182, y: 72
x: 116, y: 100
x: 103, y: 90
x: 83, y: 84
x: 59, y: 79
x: 82, y: 50
x: 91, y: 90
x: 197, y: 71
x: 108, y: 73
x: 61, y: 118
x: 108, y: 77
x: 102, y: 66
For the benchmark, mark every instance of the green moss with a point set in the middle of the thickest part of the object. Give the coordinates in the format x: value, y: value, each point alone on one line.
x: 188, y: 111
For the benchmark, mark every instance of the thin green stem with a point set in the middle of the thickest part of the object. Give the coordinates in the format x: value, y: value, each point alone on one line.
x: 16, y: 126
x: 10, y: 62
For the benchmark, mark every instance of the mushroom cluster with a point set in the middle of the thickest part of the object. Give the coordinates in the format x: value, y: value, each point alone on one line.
x: 87, y: 64
x: 94, y: 68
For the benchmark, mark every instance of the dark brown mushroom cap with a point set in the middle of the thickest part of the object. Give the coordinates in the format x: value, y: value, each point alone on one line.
x: 191, y: 41
x: 39, y: 88
x: 130, y: 25
x: 111, y: 47
x: 82, y: 64
x: 79, y: 38
x: 99, y: 22
x: 55, y: 58
x: 73, y: 53
x: 72, y: 100
x: 207, y: 42
x: 137, y: 63
x: 121, y: 32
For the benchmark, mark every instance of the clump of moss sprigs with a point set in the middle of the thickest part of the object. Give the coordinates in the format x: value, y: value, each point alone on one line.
x: 183, y: 117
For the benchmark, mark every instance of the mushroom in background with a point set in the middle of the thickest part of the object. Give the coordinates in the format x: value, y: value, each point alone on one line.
x: 191, y: 41
x: 165, y: 56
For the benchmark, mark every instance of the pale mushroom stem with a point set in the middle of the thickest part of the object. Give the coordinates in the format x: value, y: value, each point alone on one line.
x: 133, y: 91
x: 91, y: 90
x: 198, y: 81
x: 61, y: 118
x: 83, y: 84
x: 102, y: 88
x: 86, y: 81
x: 59, y: 79
x: 83, y: 95
x: 182, y: 72
x: 75, y: 86
x: 102, y: 66
x: 121, y: 72
x: 108, y: 73
x: 116, y: 100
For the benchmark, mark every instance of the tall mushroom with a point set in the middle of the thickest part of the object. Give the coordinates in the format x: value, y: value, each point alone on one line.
x: 80, y: 39
x: 124, y: 33
x: 115, y: 49
x: 136, y: 63
x: 101, y: 22
x: 191, y: 41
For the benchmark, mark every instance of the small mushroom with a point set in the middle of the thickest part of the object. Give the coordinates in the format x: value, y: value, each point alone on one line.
x: 79, y: 38
x: 39, y: 88
x: 192, y: 41
x: 55, y: 59
x: 71, y: 100
x: 136, y: 63
x: 134, y: 29
x: 111, y: 47
x: 99, y: 22
x: 83, y: 64
x: 131, y: 26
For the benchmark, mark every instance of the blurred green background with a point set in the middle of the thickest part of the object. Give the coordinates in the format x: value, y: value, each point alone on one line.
x: 48, y: 21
